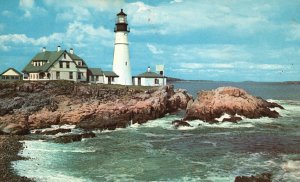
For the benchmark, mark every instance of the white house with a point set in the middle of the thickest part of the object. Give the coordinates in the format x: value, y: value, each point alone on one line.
x: 96, y: 75
x: 150, y: 79
x: 10, y: 74
x: 56, y: 65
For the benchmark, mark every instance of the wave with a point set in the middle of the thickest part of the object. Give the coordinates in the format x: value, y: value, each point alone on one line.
x: 47, y: 147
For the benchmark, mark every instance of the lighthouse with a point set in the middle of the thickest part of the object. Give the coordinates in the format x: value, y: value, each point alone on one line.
x: 121, y: 61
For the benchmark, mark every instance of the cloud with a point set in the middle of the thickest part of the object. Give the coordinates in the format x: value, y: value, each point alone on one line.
x: 26, y: 4
x: 294, y: 33
x: 77, y: 34
x: 74, y: 14
x: 210, y: 52
x: 176, y: 1
x: 190, y: 16
x: 99, y: 5
x: 154, y: 50
x: 7, y: 13
x: 200, y: 65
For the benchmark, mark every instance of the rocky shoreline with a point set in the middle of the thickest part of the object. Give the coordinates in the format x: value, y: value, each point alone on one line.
x: 27, y: 106
x: 9, y: 149
x: 31, y: 105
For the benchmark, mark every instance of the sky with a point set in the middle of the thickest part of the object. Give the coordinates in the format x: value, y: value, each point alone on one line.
x: 220, y: 40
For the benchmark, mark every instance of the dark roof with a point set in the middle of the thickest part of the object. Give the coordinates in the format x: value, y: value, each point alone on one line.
x: 96, y: 71
x: 150, y: 75
x: 12, y: 69
x: 50, y: 57
x: 110, y: 74
x: 122, y: 13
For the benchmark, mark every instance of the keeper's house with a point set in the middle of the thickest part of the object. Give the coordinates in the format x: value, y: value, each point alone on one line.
x: 10, y: 74
x: 56, y: 65
x: 150, y: 79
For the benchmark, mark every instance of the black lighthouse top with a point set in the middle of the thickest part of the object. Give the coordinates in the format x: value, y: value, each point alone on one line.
x: 121, y: 22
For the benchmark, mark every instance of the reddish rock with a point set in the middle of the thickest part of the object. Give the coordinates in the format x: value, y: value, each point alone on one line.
x: 210, y: 105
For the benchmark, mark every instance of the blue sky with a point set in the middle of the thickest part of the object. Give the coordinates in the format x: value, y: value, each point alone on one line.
x: 228, y: 40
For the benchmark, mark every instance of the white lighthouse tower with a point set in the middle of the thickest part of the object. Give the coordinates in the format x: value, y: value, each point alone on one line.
x: 121, y: 62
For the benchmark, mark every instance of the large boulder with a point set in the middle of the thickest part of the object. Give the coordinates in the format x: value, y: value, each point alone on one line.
x: 210, y: 105
x: 74, y: 137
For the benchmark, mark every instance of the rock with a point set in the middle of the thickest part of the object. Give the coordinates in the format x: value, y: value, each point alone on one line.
x: 73, y: 137
x: 178, y: 123
x: 15, y: 129
x: 87, y: 106
x: 233, y: 119
x: 54, y: 132
x: 264, y: 177
x: 68, y: 138
x: 88, y: 135
x: 210, y: 105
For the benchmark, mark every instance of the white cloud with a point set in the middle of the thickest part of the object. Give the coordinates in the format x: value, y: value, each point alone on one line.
x: 187, y: 16
x: 74, y: 14
x: 200, y: 65
x: 26, y: 4
x: 176, y: 1
x: 210, y: 52
x: 154, y: 50
x: 77, y: 34
x: 99, y: 5
x: 30, y: 9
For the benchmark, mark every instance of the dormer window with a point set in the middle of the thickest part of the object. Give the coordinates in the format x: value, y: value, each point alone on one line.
x: 79, y: 63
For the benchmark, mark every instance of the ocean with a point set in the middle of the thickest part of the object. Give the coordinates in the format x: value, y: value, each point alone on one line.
x: 156, y: 151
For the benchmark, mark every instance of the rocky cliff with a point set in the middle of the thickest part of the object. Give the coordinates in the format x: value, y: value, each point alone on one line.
x: 31, y: 105
x: 235, y: 102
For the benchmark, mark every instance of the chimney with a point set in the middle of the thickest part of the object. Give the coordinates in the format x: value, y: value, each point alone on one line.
x: 148, y: 69
x: 71, y: 51
x: 58, y: 48
x: 44, y: 49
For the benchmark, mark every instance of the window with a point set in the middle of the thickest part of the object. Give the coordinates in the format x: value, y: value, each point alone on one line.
x: 3, y: 78
x: 57, y: 75
x: 60, y: 64
x: 126, y: 63
x: 92, y: 78
x: 156, y: 81
x: 112, y: 79
x: 79, y: 63
x: 68, y: 65
x: 65, y: 56
x: 97, y: 78
x: 79, y: 75
x: 71, y: 75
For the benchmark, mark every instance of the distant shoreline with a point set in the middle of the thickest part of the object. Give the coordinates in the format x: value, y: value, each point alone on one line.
x: 171, y: 80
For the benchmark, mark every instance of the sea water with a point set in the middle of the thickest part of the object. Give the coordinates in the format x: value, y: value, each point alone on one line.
x: 156, y: 151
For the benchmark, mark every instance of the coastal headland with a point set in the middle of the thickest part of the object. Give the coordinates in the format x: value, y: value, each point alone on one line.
x: 26, y: 106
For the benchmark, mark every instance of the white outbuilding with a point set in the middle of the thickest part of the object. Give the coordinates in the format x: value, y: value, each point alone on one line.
x: 150, y: 79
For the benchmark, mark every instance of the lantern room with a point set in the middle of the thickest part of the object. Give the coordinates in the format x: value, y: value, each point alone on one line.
x: 121, y: 22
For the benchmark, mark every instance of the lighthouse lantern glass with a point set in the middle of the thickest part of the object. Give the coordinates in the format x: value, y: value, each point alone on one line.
x: 121, y: 19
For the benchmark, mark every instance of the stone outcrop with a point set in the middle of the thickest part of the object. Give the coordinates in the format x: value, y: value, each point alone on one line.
x: 73, y: 137
x: 264, y: 177
x: 141, y: 108
x: 35, y: 105
x: 178, y: 123
x: 236, y: 102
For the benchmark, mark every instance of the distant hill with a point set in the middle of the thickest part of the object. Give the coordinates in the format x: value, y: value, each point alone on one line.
x: 172, y: 79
